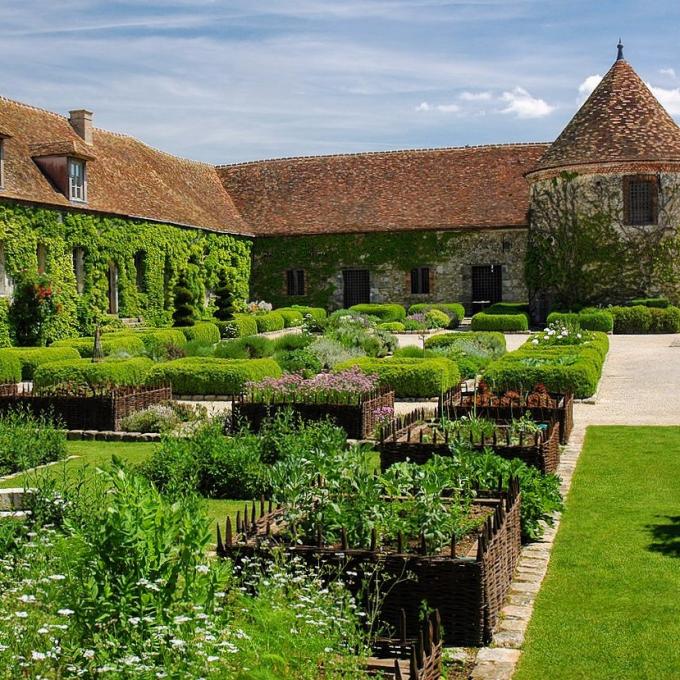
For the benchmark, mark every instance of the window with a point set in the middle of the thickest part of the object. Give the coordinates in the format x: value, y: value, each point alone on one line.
x: 640, y: 197
x: 295, y: 280
x: 140, y: 270
x: 420, y: 281
x: 79, y: 269
x: 41, y: 256
x: 77, y: 186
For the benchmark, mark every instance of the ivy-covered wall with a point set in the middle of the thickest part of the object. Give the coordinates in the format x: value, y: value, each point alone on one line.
x: 167, y: 251
x: 389, y: 256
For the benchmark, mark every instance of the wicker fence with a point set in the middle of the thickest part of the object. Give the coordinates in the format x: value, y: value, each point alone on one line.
x: 416, y: 438
x: 543, y: 407
x: 468, y: 589
x: 356, y: 414
x: 87, y: 409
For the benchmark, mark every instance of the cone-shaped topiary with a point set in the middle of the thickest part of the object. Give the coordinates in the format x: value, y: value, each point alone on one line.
x: 224, y: 299
x: 184, y: 314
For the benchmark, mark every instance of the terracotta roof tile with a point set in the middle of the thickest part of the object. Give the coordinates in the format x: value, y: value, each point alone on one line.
x: 454, y: 188
x: 127, y: 177
x: 620, y: 121
x: 69, y: 147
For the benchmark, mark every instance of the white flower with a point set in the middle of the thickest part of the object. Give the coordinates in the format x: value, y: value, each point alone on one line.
x: 212, y: 659
x: 37, y: 656
x: 177, y: 644
x: 57, y: 577
x: 134, y: 620
x: 21, y: 615
x: 43, y: 630
x: 88, y: 653
x: 202, y: 568
x: 65, y: 612
x: 534, y: 341
x: 27, y: 598
x: 181, y: 619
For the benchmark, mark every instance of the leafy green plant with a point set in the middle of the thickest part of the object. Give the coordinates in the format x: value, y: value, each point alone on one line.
x: 250, y: 347
x: 34, y: 304
x: 455, y: 311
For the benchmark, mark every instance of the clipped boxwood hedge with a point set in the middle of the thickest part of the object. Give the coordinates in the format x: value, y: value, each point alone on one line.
x: 291, y: 317
x: 240, y: 326
x: 209, y: 375
x: 385, y: 312
x: 271, y: 321
x: 588, y: 319
x: 158, y: 340
x: 319, y: 314
x: 10, y: 368
x: 392, y: 326
x: 204, y: 332
x: 483, y: 321
x: 643, y: 320
x: 660, y: 302
x: 568, y: 368
x: 454, y: 310
x: 489, y: 341
x: 508, y: 308
x: 84, y: 372
x: 32, y: 357
x: 112, y: 343
x: 409, y: 377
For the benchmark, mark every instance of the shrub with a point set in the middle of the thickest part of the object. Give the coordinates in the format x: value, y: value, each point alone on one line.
x: 508, y: 308
x: 641, y: 319
x: 112, y: 344
x: 435, y: 318
x: 86, y: 373
x: 4, y: 323
x: 224, y: 299
x: 270, y: 321
x: 659, y: 302
x: 484, y: 321
x: 156, y: 418
x: 291, y: 317
x: 392, y: 326
x: 251, y: 347
x: 32, y: 357
x: 665, y: 320
x: 490, y: 342
x: 204, y: 332
x: 291, y: 341
x: 330, y: 352
x: 162, y: 342
x: 209, y: 375
x: 10, y: 368
x: 589, y: 319
x: 298, y: 361
x: 184, y: 313
x: 384, y: 312
x: 32, y: 310
x: 240, y: 326
x: 317, y: 313
x: 27, y: 441
x: 410, y: 377
x: 361, y: 332
x: 455, y: 311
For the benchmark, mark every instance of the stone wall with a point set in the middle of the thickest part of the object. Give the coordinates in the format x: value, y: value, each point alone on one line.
x: 449, y: 255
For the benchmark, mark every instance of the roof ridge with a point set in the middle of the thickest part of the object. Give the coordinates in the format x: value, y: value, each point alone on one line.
x: 501, y: 145
x: 32, y: 107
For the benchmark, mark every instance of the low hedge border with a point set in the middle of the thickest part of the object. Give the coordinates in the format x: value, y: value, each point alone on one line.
x: 392, y: 326
x: 508, y: 308
x: 86, y: 373
x: 484, y: 321
x: 291, y: 317
x: 32, y: 357
x: 204, y: 332
x: 644, y: 320
x: 454, y: 310
x: 588, y: 320
x: 112, y: 343
x: 385, y: 312
x: 10, y: 368
x: 319, y: 314
x: 270, y: 321
x: 209, y: 375
x: 490, y: 341
x: 409, y: 377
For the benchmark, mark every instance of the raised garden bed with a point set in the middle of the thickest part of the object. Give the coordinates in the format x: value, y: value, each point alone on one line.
x: 86, y: 409
x: 359, y: 415
x: 543, y: 406
x: 416, y: 438
x: 467, y: 581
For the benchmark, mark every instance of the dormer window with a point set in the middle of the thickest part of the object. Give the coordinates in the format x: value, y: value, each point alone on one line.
x: 640, y: 199
x: 77, y: 185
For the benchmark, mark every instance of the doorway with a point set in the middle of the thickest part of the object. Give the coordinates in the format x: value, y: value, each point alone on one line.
x: 487, y: 286
x: 356, y: 287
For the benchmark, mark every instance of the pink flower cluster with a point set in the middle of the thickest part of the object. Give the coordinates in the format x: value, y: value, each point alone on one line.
x: 383, y: 414
x: 351, y: 382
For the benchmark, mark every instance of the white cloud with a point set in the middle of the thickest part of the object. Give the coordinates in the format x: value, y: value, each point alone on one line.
x: 669, y: 98
x: 476, y: 96
x: 670, y: 72
x: 423, y: 106
x: 523, y: 105
x: 588, y: 85
x: 448, y: 108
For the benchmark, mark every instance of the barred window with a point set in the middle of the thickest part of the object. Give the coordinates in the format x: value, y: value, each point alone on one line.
x: 295, y: 281
x: 420, y: 281
x: 640, y: 200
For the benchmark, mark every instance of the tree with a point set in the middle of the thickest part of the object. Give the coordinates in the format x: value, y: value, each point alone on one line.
x: 224, y: 299
x: 184, y: 314
x: 33, y: 307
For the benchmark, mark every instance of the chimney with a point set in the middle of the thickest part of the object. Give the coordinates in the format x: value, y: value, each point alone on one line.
x: 81, y: 122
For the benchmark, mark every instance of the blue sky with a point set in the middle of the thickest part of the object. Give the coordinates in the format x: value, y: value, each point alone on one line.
x: 226, y: 81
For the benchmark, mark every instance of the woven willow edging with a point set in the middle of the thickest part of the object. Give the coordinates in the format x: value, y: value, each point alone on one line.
x: 468, y: 590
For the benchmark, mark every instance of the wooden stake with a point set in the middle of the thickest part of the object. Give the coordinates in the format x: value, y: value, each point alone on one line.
x: 228, y: 536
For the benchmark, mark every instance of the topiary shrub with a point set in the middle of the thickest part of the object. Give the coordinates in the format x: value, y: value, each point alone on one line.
x: 10, y: 368
x: 32, y: 357
x: 385, y: 312
x: 86, y: 373
x: 392, y: 326
x: 291, y: 317
x: 224, y: 299
x: 271, y: 321
x: 490, y: 342
x: 204, y: 332
x: 250, y: 347
x: 209, y: 375
x: 184, y: 313
x: 409, y: 377
x: 454, y: 310
x: 112, y: 343
x: 483, y: 321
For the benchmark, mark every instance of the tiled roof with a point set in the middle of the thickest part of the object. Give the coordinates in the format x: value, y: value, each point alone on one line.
x: 454, y: 188
x: 70, y: 147
x: 620, y: 121
x: 126, y: 177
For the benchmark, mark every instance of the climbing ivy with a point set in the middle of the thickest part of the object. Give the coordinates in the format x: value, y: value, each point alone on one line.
x: 323, y: 256
x: 165, y: 251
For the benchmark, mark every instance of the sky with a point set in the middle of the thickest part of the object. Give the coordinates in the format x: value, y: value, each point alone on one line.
x: 225, y: 81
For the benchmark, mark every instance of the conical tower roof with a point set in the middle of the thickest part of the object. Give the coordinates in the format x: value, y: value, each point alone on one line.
x: 621, y: 121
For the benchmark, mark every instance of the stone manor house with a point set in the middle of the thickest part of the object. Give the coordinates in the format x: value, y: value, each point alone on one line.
x: 450, y: 224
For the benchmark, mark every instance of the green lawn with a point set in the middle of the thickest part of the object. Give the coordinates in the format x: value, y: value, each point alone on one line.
x: 610, y: 604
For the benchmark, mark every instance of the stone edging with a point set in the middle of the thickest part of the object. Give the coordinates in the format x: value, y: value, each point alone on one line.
x: 110, y: 436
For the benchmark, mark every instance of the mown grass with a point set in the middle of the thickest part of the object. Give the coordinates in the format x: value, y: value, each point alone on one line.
x: 608, y: 607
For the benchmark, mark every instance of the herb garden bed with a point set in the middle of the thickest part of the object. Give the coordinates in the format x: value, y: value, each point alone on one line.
x: 417, y: 439
x: 543, y: 406
x: 358, y: 414
x: 467, y: 581
x: 86, y: 409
